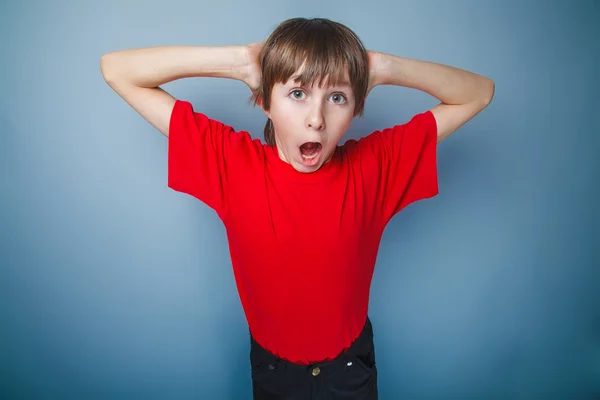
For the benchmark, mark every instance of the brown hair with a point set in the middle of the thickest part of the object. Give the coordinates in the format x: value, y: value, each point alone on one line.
x: 327, y: 49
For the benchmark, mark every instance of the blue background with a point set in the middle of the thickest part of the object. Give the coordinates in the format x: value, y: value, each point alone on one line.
x: 113, y: 286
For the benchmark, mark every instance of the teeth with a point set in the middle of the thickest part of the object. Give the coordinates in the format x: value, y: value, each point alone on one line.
x: 311, y: 156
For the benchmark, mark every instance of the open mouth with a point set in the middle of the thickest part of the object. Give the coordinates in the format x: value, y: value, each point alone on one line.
x: 310, y: 152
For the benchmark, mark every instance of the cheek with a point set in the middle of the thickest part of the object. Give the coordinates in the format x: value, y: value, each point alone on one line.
x: 285, y: 117
x: 339, y: 120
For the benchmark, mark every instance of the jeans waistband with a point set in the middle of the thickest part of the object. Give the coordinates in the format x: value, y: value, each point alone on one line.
x: 362, y: 346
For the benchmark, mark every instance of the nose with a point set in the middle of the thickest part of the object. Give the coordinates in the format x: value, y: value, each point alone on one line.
x: 315, y: 119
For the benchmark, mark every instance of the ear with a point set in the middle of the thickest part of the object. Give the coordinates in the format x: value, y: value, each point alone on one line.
x: 259, y: 102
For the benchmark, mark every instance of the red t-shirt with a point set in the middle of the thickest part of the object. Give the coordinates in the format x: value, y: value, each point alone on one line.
x: 303, y: 246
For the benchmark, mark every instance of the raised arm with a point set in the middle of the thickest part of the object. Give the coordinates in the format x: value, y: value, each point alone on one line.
x: 136, y: 74
x: 462, y: 94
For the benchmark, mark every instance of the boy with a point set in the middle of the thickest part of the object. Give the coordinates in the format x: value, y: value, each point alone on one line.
x: 304, y: 215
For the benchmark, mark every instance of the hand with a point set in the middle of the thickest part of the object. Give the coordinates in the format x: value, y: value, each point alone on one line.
x: 253, y: 74
x: 374, y: 69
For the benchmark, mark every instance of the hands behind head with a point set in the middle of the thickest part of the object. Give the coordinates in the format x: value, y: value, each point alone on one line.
x: 253, y: 74
x: 374, y: 69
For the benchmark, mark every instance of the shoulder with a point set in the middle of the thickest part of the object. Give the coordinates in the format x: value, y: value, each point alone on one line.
x: 200, y: 125
x: 419, y: 129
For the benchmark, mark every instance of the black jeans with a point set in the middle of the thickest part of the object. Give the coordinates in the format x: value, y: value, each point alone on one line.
x: 351, y: 375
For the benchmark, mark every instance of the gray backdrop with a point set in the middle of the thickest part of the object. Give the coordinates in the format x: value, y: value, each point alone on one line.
x: 113, y: 286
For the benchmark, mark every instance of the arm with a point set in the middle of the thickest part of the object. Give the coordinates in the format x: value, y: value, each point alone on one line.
x: 136, y: 74
x: 462, y: 94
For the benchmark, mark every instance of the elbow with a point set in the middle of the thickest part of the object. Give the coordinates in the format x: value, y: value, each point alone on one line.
x: 490, y: 89
x: 108, y: 67
x: 105, y: 68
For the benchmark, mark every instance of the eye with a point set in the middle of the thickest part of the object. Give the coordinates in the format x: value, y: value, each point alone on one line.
x: 338, y: 98
x: 297, y: 94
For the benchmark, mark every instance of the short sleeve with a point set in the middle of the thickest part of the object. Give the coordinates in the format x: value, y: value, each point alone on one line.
x: 407, y: 163
x: 197, y: 156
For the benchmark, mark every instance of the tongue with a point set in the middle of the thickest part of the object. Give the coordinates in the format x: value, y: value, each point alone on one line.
x: 309, y: 148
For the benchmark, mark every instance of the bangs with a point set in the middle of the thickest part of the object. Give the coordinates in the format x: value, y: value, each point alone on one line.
x: 318, y: 52
x: 320, y: 66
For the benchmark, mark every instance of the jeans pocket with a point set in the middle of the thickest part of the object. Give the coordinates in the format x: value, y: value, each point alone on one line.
x: 366, y: 359
x: 264, y: 368
x: 357, y: 380
x: 365, y: 363
x: 269, y: 381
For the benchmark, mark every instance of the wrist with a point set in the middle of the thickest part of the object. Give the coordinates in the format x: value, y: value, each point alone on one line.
x: 235, y: 63
x: 240, y: 67
x: 381, y: 68
x: 377, y: 61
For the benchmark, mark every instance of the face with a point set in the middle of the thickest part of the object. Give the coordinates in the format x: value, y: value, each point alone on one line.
x: 310, y: 121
